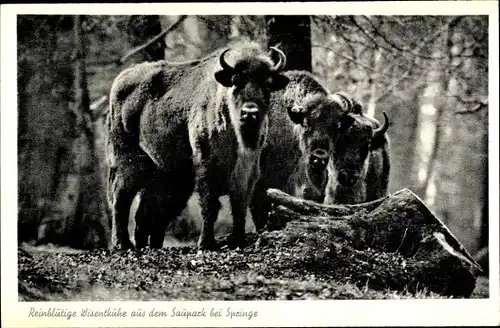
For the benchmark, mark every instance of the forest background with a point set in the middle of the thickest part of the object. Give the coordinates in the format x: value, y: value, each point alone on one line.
x: 429, y: 73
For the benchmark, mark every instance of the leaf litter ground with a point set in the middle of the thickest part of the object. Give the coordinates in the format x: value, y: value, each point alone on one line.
x: 260, y: 272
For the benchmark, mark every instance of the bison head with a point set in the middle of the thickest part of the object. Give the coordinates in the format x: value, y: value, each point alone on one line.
x: 322, y: 118
x: 351, y: 150
x: 251, y: 81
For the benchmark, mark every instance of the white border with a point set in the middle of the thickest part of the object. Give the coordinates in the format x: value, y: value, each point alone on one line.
x: 271, y: 313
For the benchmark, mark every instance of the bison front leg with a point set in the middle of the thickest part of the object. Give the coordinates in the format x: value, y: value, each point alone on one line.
x: 172, y: 195
x: 260, y: 204
x: 210, y: 206
x: 260, y: 207
x: 238, y: 208
x: 241, y: 193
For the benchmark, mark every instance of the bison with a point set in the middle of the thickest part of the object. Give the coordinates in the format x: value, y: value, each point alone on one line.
x: 360, y: 164
x: 348, y: 167
x: 305, y: 119
x: 200, y: 124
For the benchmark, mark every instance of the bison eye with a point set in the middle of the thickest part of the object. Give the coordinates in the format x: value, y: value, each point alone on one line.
x: 237, y: 80
x: 336, y: 126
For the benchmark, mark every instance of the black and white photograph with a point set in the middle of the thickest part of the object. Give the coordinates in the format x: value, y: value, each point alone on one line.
x: 249, y: 157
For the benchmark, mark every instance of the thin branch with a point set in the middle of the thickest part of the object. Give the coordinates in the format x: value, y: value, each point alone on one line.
x: 398, y: 48
x: 469, y: 101
x: 477, y: 105
x: 98, y: 103
x: 452, y: 22
x: 362, y: 30
x: 366, y: 45
x: 371, y: 38
x: 402, y: 240
x: 395, y: 83
x: 153, y: 40
x: 473, y: 110
x: 345, y: 57
x: 349, y: 44
x: 413, y: 63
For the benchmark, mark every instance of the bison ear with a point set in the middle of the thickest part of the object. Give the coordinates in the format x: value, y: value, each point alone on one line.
x: 296, y: 114
x: 345, y: 122
x: 224, y: 77
x: 357, y: 108
x: 378, y: 142
x: 279, y: 82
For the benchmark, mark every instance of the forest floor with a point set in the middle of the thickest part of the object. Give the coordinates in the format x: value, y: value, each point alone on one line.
x: 181, y: 272
x: 50, y: 273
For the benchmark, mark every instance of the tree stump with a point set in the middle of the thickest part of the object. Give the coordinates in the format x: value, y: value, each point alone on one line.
x: 394, y: 242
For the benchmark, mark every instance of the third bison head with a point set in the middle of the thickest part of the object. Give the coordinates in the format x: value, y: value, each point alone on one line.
x: 352, y: 149
x: 250, y: 81
x: 323, y: 118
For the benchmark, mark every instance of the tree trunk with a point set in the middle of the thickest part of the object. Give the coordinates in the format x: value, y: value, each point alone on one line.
x: 395, y: 242
x: 482, y: 255
x: 93, y: 214
x: 483, y: 241
x: 78, y: 217
x: 45, y: 121
x: 292, y: 34
x: 439, y: 88
x: 373, y: 80
x: 424, y: 186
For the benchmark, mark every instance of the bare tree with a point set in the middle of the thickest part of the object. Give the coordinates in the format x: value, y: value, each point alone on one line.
x: 292, y: 34
x: 78, y: 215
x: 45, y: 119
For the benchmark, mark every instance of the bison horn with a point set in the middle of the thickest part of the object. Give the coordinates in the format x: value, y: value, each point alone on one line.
x: 345, y: 101
x: 282, y: 61
x: 383, y: 129
x: 223, y: 62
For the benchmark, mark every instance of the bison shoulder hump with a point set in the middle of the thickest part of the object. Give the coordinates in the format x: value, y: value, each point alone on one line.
x: 129, y: 79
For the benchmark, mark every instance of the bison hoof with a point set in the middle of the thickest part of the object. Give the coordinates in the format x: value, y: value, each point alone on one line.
x: 207, y: 244
x: 124, y: 246
x: 236, y: 241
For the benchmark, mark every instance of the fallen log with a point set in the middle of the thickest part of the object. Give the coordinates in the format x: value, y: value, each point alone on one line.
x: 394, y: 242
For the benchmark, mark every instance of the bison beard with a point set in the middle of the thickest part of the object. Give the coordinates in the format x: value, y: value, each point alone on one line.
x: 250, y: 129
x: 173, y: 131
x: 309, y: 179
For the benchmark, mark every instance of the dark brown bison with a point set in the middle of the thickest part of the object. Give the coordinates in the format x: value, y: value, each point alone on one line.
x: 349, y: 167
x: 305, y: 120
x: 201, y: 124
x: 359, y: 167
